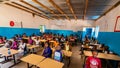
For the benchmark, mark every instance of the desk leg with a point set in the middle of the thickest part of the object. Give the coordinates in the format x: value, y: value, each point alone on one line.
x: 69, y: 60
x: 27, y: 65
x: 14, y: 59
x: 5, y: 58
x: 14, y: 62
x: 34, y: 51
x: 84, y: 61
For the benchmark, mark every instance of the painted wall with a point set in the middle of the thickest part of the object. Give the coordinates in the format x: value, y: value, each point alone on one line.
x: 107, y: 22
x: 30, y: 23
x: 75, y: 25
x: 8, y: 13
x: 10, y: 32
x: 107, y: 34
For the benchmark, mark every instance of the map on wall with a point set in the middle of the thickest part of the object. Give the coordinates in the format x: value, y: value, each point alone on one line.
x: 117, y: 25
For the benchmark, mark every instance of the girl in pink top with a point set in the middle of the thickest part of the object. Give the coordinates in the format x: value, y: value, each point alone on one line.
x: 15, y: 44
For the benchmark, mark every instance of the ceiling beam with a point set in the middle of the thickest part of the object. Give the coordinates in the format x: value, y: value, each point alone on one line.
x: 29, y: 9
x: 24, y: 9
x: 71, y: 9
x: 42, y: 5
x: 85, y: 10
x: 32, y: 6
x: 118, y: 3
x: 58, y: 8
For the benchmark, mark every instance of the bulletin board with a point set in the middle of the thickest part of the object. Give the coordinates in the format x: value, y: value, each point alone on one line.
x: 117, y: 25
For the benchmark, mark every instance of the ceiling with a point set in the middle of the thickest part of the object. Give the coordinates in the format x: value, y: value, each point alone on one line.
x: 64, y: 9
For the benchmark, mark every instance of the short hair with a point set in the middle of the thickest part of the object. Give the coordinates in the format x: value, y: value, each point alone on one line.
x: 47, y: 43
x: 94, y: 51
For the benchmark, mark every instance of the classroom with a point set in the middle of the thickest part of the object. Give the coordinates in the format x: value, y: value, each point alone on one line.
x: 59, y: 33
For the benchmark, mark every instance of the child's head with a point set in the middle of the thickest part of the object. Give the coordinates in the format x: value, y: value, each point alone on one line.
x: 37, y: 38
x: 58, y: 47
x: 22, y: 41
x: 95, y: 53
x: 1, y: 38
x: 4, y: 38
x: 29, y: 37
x: 46, y: 44
x: 14, y: 39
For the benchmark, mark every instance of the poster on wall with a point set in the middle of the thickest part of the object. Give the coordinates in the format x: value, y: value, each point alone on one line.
x: 42, y: 28
x: 15, y: 24
x: 117, y: 25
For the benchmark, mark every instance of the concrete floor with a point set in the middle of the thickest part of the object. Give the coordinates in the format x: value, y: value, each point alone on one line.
x: 76, y: 61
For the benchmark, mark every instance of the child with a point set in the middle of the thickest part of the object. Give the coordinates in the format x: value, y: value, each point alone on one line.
x: 8, y: 44
x: 56, y: 43
x: 37, y: 41
x: 47, y: 52
x: 30, y: 41
x: 4, y: 39
x: 93, y: 61
x: 1, y: 40
x: 58, y: 54
x: 15, y: 44
x: 21, y: 50
x: 67, y: 46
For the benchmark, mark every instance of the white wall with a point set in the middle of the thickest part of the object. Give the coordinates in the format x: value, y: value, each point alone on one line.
x: 74, y: 25
x: 8, y: 13
x: 108, y: 21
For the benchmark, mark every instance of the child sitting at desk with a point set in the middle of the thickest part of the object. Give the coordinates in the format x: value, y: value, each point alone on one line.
x: 37, y: 41
x: 93, y: 61
x: 58, y: 54
x: 22, y: 49
x: 4, y: 39
x: 15, y: 44
x: 67, y: 46
x: 30, y: 41
x: 1, y: 40
x: 8, y: 44
x: 56, y: 43
x: 47, y: 52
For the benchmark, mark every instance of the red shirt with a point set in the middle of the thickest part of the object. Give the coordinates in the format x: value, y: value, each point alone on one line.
x: 92, y: 62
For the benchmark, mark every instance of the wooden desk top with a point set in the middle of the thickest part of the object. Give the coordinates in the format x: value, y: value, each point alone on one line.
x: 50, y: 63
x: 94, y: 44
x: 90, y: 47
x: 33, y: 59
x: 2, y: 45
x: 31, y: 46
x: 25, y: 38
x: 103, y: 56
x: 67, y: 53
x: 4, y: 51
x: 43, y: 40
x: 52, y: 41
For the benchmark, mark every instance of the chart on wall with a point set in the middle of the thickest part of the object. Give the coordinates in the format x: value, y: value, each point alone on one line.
x: 42, y: 28
x: 117, y: 25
